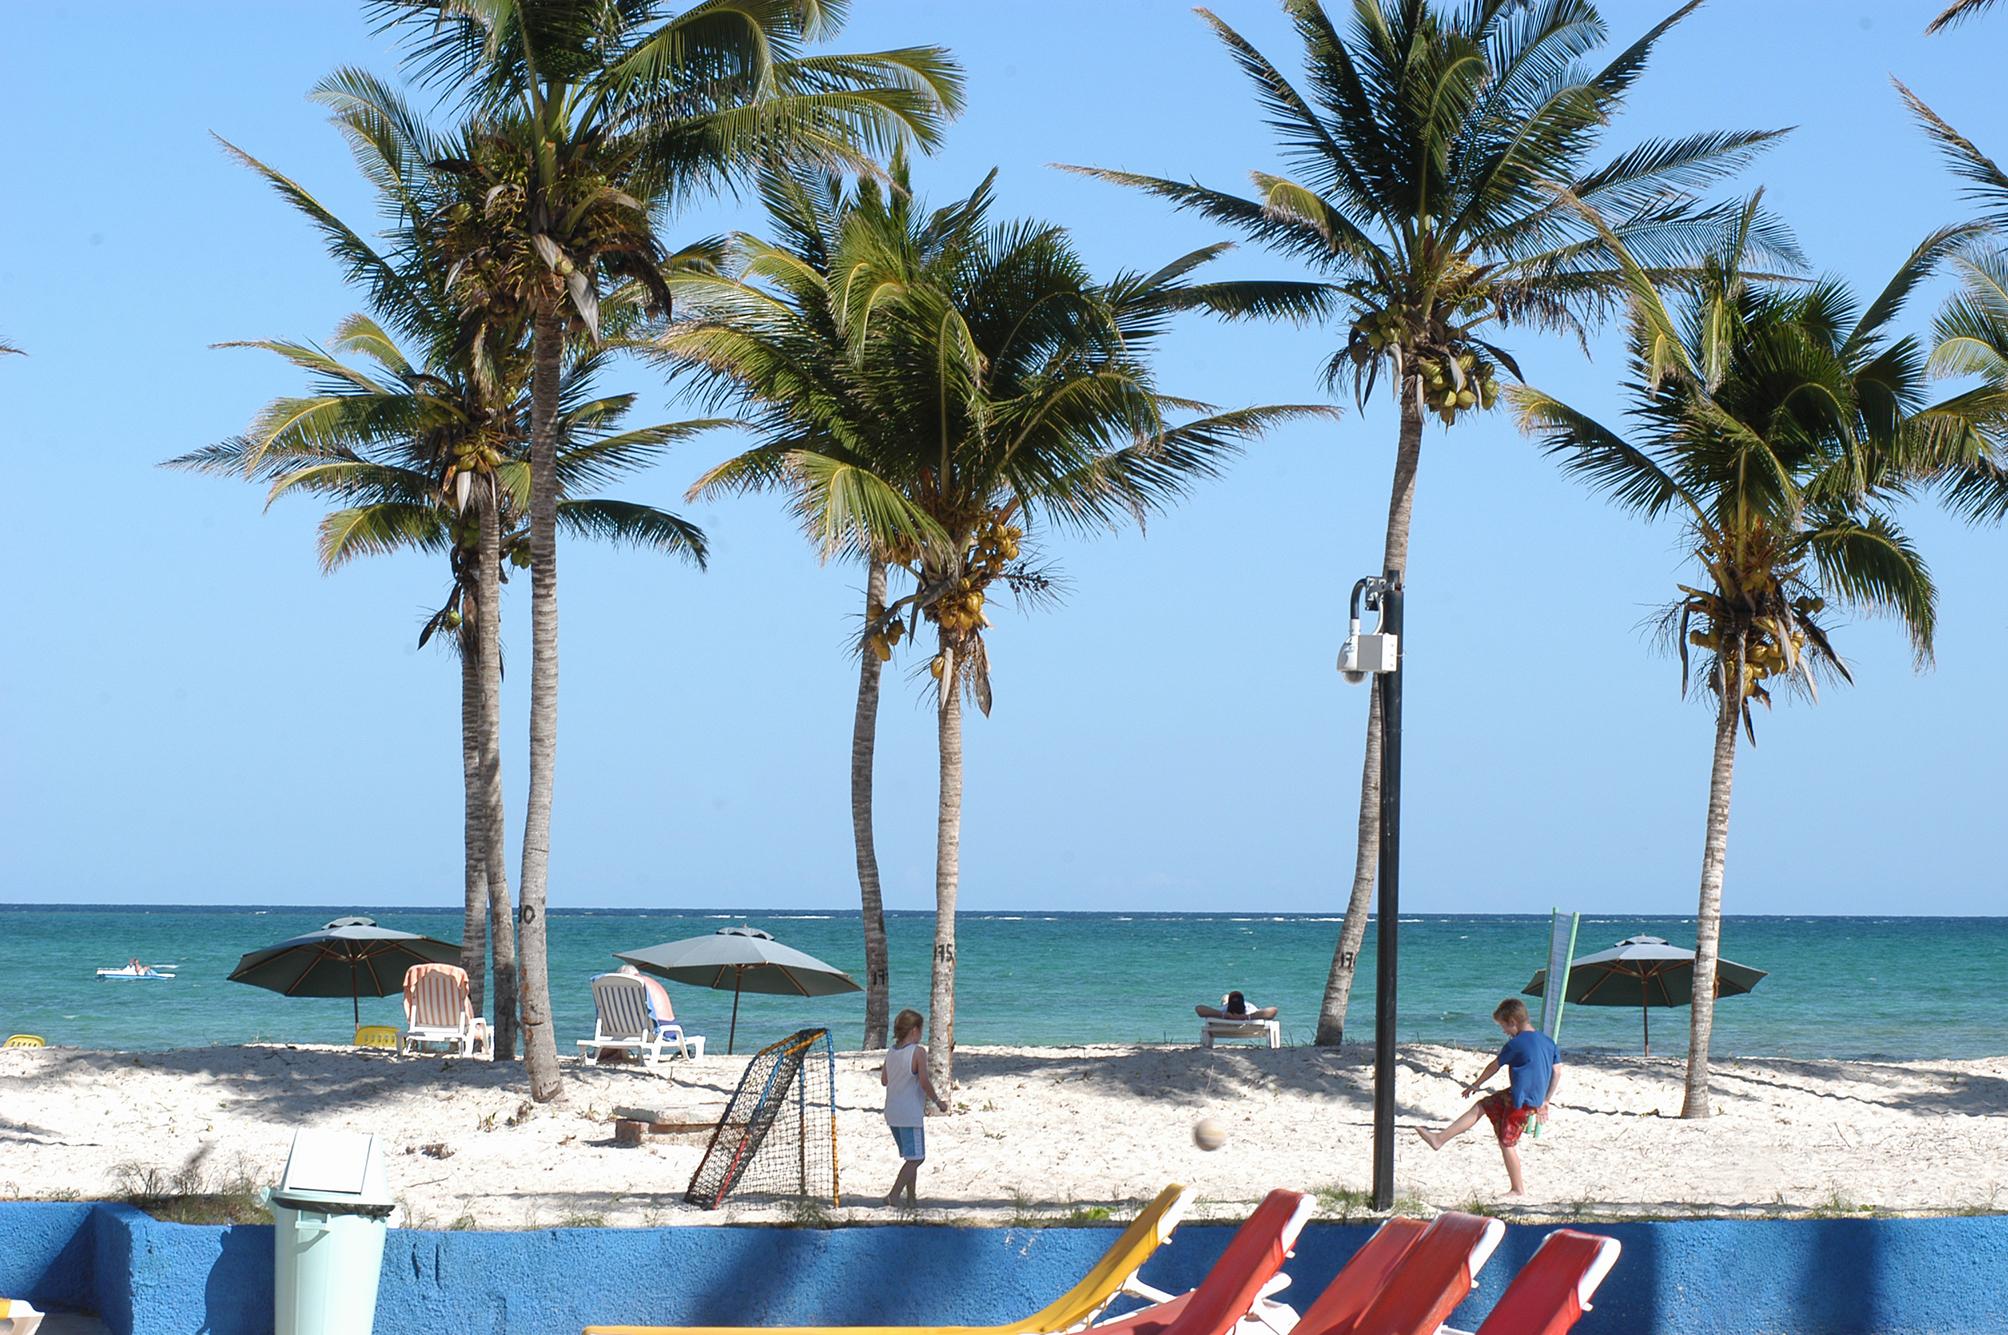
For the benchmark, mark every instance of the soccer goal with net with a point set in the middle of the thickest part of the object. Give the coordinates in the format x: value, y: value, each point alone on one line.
x: 778, y: 1136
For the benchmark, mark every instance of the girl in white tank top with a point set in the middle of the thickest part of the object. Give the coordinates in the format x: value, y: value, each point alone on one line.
x: 908, y: 1091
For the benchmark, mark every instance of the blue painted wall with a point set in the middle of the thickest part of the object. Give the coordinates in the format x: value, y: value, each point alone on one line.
x: 1808, y: 1277
x: 45, y: 1252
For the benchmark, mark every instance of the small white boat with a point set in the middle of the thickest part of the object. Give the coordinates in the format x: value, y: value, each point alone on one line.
x: 134, y: 970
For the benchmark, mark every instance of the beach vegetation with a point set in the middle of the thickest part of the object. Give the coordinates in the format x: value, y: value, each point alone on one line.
x: 1775, y: 424
x: 1839, y: 1205
x: 191, y: 1194
x: 808, y: 1212
x: 595, y: 123
x: 1434, y: 159
x: 1345, y: 1204
x: 941, y: 388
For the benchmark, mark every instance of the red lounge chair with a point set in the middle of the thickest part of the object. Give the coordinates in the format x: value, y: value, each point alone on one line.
x: 1254, y: 1256
x: 1552, y: 1291
x: 1338, y: 1309
x: 1436, y: 1275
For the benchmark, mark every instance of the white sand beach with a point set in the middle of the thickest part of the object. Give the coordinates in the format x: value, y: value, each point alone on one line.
x: 1038, y: 1132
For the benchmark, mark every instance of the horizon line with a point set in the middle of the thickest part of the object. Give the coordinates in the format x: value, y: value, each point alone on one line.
x: 812, y: 911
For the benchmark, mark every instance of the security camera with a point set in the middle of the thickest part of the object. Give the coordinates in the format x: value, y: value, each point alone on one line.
x: 1363, y: 655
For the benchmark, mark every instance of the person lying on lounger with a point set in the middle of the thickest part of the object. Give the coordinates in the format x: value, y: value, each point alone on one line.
x: 1234, y: 1006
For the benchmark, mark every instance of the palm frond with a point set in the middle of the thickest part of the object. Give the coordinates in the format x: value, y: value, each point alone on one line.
x: 625, y: 522
x: 1870, y: 563
x: 377, y: 530
x: 1954, y: 13
x: 1599, y: 455
x: 1986, y: 182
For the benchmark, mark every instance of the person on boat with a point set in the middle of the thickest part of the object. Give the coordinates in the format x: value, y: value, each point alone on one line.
x: 1234, y: 1006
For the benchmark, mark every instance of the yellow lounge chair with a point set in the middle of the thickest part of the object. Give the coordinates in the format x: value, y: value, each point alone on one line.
x: 1115, y: 1274
x: 377, y: 1036
x: 24, y: 1041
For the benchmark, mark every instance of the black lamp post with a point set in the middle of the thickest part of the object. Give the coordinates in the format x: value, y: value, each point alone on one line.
x: 1379, y: 655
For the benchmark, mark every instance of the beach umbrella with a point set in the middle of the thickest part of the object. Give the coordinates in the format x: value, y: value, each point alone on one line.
x: 744, y: 959
x: 350, y: 957
x: 1643, y: 971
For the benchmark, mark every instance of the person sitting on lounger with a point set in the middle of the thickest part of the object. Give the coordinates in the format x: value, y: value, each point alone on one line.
x: 1234, y: 1006
x: 659, y: 1009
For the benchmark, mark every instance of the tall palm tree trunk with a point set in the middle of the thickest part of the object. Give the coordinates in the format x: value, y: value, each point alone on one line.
x: 947, y: 872
x: 864, y: 746
x: 1714, y: 857
x: 540, y: 1048
x: 1366, y: 854
x: 474, y: 819
x: 495, y: 816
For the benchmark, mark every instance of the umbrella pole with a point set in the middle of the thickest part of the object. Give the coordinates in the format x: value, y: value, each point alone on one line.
x: 731, y: 1035
x: 356, y: 1006
x: 1645, y: 1014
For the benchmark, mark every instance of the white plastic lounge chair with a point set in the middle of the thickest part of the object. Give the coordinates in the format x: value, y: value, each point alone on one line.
x: 18, y: 1318
x: 1217, y: 1026
x: 437, y: 1011
x: 622, y: 1022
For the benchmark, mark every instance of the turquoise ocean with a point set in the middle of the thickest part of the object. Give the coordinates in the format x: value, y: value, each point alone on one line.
x: 1838, y: 987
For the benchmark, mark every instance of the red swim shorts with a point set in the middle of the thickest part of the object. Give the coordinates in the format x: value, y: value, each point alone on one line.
x: 1507, y: 1121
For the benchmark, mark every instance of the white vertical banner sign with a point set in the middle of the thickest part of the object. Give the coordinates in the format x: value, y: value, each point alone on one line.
x: 1561, y: 953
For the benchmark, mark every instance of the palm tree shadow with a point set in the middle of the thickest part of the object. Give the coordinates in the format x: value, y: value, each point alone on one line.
x: 1174, y: 1074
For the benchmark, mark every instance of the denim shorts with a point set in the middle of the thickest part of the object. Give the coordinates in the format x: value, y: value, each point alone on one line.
x: 912, y: 1142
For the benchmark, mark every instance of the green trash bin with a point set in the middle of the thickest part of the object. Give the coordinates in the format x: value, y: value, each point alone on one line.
x: 330, y: 1212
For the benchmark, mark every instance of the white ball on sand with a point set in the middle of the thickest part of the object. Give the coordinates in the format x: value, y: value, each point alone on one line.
x: 1208, y: 1134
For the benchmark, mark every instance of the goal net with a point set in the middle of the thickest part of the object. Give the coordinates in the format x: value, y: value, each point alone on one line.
x: 778, y: 1136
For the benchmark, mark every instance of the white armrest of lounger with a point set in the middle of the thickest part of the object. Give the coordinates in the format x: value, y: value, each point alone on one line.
x: 1136, y: 1288
x: 1278, y: 1318
x: 1607, y: 1256
x: 17, y: 1317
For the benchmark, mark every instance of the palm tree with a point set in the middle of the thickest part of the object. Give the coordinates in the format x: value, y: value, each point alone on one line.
x: 464, y: 395
x: 593, y: 113
x: 937, y: 385
x: 1773, y: 423
x: 1434, y: 157
x: 767, y: 336
x: 8, y: 349
x: 386, y: 445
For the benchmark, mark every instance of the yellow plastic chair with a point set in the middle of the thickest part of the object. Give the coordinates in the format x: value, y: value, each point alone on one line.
x: 1112, y: 1276
x: 25, y: 1041
x: 377, y: 1036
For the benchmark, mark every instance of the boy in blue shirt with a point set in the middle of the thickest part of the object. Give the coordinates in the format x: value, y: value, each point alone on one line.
x: 1531, y: 1061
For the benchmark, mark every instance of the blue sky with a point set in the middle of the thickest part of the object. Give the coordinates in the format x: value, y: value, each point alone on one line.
x: 190, y: 712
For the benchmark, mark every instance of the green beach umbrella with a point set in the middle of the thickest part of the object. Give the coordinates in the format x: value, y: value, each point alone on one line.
x: 744, y: 959
x: 1643, y: 971
x: 350, y: 957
